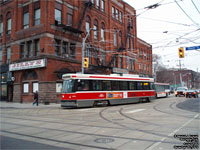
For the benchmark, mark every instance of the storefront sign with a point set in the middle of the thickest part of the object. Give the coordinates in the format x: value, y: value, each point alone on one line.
x: 28, y: 65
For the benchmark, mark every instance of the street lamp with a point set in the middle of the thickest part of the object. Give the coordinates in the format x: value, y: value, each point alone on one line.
x: 83, y: 49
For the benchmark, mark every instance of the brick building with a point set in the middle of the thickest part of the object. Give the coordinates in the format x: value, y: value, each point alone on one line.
x: 41, y: 40
x: 190, y: 79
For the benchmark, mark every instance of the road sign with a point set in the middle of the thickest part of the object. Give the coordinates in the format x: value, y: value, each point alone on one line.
x: 192, y: 48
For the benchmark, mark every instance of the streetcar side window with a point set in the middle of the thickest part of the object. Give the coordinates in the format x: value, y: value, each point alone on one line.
x: 146, y: 86
x: 83, y: 85
x: 132, y: 85
x: 68, y: 86
x: 97, y: 85
x: 152, y: 86
x: 115, y: 85
x: 123, y: 85
x: 106, y: 85
x: 139, y: 86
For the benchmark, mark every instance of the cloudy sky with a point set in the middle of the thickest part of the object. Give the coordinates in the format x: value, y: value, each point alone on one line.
x: 170, y: 25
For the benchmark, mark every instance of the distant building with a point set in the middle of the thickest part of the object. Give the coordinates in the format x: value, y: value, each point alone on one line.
x: 190, y: 79
x: 42, y: 39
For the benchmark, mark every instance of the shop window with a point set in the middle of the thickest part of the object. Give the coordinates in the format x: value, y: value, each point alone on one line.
x: 35, y: 87
x: 25, y: 88
x: 59, y: 87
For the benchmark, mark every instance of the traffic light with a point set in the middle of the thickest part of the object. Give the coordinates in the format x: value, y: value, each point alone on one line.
x: 86, y: 62
x: 181, y: 52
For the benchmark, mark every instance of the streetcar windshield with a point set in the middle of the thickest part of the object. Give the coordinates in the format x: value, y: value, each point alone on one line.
x: 68, y: 86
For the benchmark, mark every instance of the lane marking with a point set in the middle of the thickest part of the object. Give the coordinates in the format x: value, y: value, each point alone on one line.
x: 171, y: 134
x: 137, y: 110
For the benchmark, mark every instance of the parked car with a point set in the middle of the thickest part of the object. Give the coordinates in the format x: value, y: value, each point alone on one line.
x: 181, y: 91
x: 191, y: 93
x: 198, y: 91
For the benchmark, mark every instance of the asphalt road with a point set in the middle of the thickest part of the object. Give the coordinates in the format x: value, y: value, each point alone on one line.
x: 165, y: 123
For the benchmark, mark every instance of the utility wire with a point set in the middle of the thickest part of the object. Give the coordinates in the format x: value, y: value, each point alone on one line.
x: 186, y: 14
x: 195, y: 6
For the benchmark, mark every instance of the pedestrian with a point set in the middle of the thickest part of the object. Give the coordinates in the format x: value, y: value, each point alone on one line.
x: 35, y: 98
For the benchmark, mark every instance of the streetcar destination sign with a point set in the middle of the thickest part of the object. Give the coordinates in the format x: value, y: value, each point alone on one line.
x: 192, y: 48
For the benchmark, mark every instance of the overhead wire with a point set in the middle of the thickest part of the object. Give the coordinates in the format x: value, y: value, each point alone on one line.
x: 186, y: 14
x: 195, y: 6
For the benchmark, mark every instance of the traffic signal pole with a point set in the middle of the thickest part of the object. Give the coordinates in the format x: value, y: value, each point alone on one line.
x: 180, y: 73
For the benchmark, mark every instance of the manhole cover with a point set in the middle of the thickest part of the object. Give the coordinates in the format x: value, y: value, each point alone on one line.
x: 104, y: 140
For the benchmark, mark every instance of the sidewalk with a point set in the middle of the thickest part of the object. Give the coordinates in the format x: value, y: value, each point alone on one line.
x: 4, y: 104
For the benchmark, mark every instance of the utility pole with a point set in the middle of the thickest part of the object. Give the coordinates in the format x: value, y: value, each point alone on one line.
x: 180, y: 73
x: 83, y: 50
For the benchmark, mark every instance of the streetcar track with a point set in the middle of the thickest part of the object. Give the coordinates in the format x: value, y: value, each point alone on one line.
x: 155, y: 107
x: 75, y: 132
x: 135, y: 129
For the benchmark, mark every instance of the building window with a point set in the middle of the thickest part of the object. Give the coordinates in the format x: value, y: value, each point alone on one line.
x: 120, y: 38
x: 102, y: 32
x: 1, y: 25
x: 132, y: 63
x: 37, y: 47
x: 117, y: 14
x: 120, y: 16
x: 8, y: 50
x: 9, y: 23
x: 88, y: 54
x: 22, y: 50
x: 115, y: 62
x: 97, y: 3
x: 26, y: 88
x: 25, y: 17
x: 103, y: 5
x: 29, y: 49
x: 35, y: 87
x: 95, y: 29
x: 144, y: 67
x: 103, y: 58
x: 57, y: 47
x: 121, y: 62
x: 57, y: 17
x: 37, y: 13
x: 1, y: 55
x: 64, y: 49
x: 92, y: 2
x: 69, y: 16
x: 72, y: 50
x: 87, y: 25
x: 37, y: 17
x: 115, y: 37
x: 131, y: 22
x: 113, y: 12
x: 132, y: 43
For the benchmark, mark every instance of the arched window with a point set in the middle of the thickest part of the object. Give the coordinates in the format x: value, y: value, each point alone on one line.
x: 87, y: 24
x: 9, y: 23
x: 102, y: 31
x: 95, y: 29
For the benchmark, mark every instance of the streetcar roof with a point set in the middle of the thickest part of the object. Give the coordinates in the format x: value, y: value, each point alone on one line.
x: 106, y: 77
x: 157, y: 83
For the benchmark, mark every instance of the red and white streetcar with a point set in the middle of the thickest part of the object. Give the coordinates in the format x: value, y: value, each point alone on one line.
x: 87, y: 90
x: 162, y: 89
